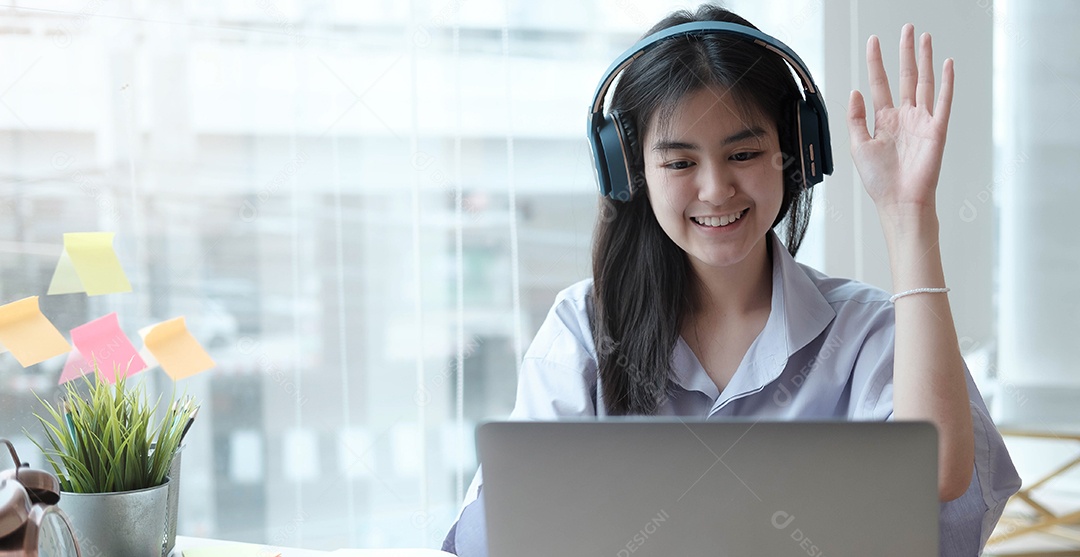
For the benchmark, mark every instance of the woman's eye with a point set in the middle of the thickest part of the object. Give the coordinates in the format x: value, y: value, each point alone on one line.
x: 678, y: 165
x: 745, y: 156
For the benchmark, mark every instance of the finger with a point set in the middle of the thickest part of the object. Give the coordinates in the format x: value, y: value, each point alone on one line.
x: 856, y: 120
x: 909, y: 74
x: 924, y: 92
x: 879, y: 80
x: 944, y: 101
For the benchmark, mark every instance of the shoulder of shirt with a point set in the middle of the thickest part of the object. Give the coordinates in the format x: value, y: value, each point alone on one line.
x: 571, y: 305
x: 839, y: 291
x: 576, y: 294
x: 565, y: 337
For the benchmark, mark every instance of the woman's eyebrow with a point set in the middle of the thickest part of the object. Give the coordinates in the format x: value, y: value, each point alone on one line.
x: 670, y: 145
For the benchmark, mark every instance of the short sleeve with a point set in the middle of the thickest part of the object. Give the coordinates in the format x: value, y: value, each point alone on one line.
x: 872, y: 371
x: 966, y: 522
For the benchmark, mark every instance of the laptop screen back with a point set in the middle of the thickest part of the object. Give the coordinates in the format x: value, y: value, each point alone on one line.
x: 662, y: 487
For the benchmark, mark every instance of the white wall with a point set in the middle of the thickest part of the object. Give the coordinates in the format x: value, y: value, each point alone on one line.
x: 856, y: 247
x: 1036, y: 195
x: 1006, y: 216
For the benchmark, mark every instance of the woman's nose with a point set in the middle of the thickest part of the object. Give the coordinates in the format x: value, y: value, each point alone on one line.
x: 715, y: 185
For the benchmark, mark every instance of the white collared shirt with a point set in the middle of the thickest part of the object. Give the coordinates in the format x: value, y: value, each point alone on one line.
x: 826, y: 352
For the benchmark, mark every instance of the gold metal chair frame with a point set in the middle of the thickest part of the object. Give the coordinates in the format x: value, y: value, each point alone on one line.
x: 1042, y: 519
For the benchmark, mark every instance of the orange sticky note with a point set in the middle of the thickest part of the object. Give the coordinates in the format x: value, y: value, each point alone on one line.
x: 102, y: 342
x: 176, y: 351
x: 28, y: 334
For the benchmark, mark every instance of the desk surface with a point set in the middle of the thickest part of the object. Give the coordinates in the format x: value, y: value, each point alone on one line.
x: 185, y: 542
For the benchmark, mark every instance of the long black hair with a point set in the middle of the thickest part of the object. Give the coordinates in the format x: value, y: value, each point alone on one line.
x: 641, y: 278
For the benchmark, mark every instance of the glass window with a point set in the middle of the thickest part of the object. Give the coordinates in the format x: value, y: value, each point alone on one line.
x: 363, y: 210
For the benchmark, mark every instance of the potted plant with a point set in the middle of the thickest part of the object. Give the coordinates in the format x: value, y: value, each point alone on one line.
x: 112, y: 459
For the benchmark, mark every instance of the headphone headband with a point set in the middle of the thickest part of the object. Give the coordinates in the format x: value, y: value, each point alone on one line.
x: 700, y: 28
x: 602, y: 128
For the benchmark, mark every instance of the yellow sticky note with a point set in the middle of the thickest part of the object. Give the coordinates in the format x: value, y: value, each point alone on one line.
x: 65, y: 278
x: 176, y: 351
x: 28, y: 334
x: 89, y: 264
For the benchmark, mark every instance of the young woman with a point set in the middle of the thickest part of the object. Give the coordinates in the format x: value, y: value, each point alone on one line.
x: 696, y: 308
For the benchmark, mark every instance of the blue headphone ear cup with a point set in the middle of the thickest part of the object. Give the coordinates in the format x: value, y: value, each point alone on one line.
x: 815, y: 150
x: 809, y: 144
x: 616, y: 163
x: 629, y: 139
x: 609, y: 159
x: 630, y: 148
x: 596, y: 144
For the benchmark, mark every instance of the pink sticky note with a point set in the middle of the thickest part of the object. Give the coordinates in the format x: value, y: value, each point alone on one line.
x: 102, y: 342
x: 76, y: 366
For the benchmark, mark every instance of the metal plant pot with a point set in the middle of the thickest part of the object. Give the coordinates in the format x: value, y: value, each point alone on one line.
x: 174, y: 502
x: 119, y: 524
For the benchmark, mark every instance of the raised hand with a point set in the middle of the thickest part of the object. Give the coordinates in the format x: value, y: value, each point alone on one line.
x: 899, y: 164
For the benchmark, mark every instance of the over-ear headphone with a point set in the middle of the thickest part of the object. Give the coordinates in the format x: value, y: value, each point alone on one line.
x: 612, y: 137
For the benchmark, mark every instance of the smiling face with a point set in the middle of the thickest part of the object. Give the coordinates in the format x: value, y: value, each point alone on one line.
x: 713, y: 181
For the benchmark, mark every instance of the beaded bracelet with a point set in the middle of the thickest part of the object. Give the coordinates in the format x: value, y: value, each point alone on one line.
x: 899, y: 295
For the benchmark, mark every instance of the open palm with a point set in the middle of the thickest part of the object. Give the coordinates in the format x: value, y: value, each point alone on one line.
x: 899, y: 164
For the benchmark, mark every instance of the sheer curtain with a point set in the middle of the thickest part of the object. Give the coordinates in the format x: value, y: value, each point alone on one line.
x: 363, y: 209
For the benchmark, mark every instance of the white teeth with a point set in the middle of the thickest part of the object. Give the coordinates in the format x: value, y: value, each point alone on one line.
x: 718, y: 221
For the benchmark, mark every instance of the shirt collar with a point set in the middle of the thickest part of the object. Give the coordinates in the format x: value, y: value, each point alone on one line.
x: 806, y: 310
x: 798, y: 314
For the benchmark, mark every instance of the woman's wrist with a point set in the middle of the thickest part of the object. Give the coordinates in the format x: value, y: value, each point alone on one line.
x: 906, y: 218
x: 913, y: 224
x: 912, y: 238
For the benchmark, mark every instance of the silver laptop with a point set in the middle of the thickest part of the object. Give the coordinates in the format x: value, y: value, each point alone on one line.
x: 665, y: 487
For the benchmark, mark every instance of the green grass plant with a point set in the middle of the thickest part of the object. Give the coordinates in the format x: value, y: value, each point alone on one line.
x: 106, y: 441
